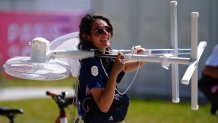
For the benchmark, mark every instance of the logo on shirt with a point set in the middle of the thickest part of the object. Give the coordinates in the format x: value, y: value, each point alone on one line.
x: 94, y: 70
x: 111, y: 118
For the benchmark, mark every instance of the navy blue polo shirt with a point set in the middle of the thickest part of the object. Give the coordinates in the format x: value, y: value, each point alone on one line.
x: 94, y: 74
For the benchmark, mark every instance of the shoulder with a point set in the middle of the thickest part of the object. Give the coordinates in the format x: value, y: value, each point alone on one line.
x: 213, y: 58
x: 215, y: 50
x: 89, y: 61
x: 89, y: 64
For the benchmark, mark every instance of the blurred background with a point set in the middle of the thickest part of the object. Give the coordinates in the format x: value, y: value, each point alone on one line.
x: 138, y: 22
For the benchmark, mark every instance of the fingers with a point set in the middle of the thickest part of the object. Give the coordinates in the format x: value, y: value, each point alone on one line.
x: 140, y: 50
x: 137, y: 49
x: 120, y: 55
x: 119, y: 61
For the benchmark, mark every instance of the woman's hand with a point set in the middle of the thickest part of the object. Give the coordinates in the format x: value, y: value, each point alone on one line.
x: 118, y: 65
x: 140, y: 50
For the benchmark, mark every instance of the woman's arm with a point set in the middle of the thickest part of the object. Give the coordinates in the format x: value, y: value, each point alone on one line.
x: 104, y: 96
x: 131, y: 66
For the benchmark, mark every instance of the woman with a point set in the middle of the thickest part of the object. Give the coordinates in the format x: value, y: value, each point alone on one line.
x: 98, y: 95
x: 208, y: 83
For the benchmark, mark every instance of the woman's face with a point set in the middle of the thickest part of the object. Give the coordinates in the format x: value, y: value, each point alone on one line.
x: 100, y: 34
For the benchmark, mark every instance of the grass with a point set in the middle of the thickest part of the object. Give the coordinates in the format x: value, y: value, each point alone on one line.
x: 140, y: 110
x: 35, y: 111
x: 8, y: 81
x: 162, y: 111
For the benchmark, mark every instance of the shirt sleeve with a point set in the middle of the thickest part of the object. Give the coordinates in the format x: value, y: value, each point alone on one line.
x: 92, y: 74
x: 120, y: 76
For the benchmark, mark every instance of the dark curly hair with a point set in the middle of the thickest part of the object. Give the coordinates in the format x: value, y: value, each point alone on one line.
x: 85, y: 29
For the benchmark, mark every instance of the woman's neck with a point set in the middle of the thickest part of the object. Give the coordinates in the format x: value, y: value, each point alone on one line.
x: 102, y: 51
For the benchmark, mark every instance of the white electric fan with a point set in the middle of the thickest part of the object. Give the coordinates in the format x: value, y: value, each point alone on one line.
x: 42, y: 64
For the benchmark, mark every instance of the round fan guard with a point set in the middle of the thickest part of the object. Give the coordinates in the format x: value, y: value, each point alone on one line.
x: 23, y: 67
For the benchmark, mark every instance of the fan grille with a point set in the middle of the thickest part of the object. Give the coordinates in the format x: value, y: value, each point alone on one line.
x: 23, y: 67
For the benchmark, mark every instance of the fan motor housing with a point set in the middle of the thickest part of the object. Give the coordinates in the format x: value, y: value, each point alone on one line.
x: 40, y: 49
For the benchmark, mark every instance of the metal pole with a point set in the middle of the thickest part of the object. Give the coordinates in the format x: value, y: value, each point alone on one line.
x: 174, y: 45
x: 194, y: 42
